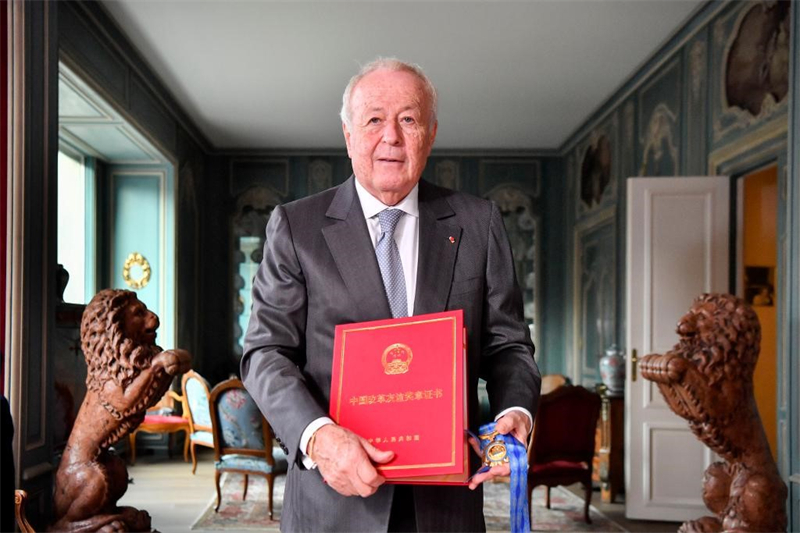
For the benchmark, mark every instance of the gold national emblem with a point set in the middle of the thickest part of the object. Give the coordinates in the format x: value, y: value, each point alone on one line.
x: 396, y: 359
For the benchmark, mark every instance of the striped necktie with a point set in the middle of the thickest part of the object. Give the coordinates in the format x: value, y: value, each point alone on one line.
x: 389, y: 262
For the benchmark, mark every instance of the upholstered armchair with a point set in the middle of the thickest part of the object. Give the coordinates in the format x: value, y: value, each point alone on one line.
x: 196, y: 393
x: 242, y: 438
x: 163, y: 417
x: 563, y: 441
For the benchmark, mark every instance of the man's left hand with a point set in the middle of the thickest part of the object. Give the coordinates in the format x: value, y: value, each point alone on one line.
x: 514, y: 423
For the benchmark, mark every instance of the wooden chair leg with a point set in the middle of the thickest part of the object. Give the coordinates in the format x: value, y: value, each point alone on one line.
x: 587, y: 500
x: 219, y: 494
x: 186, y: 446
x: 244, y: 495
x: 132, y: 446
x: 194, y: 458
x: 20, y: 498
x: 547, y: 488
x: 271, y: 483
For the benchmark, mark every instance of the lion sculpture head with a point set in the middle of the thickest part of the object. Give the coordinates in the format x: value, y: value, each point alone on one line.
x: 721, y: 336
x: 707, y: 378
x: 113, y: 347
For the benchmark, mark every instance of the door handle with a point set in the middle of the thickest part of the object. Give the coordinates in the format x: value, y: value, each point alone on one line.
x: 634, y: 363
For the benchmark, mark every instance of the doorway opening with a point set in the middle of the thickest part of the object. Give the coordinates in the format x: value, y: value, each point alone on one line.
x: 756, y: 277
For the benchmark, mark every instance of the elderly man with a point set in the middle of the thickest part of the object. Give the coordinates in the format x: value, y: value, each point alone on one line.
x: 383, y: 244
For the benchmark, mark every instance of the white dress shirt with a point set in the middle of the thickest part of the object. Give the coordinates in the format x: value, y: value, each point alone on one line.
x: 406, y: 235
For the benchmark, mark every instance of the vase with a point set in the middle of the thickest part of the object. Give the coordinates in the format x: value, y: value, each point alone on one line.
x: 612, y: 369
x: 62, y: 278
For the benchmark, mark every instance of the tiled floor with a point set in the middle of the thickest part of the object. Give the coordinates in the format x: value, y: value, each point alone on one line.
x: 175, y: 498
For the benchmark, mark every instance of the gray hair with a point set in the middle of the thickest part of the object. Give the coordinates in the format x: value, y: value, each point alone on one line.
x: 388, y: 63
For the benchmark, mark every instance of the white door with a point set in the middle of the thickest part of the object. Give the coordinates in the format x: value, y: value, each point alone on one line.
x: 677, y: 249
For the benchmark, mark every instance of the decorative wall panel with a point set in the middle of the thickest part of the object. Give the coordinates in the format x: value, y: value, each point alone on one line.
x: 142, y: 219
x: 660, y: 122
x: 320, y: 176
x: 252, y: 211
x: 696, y: 95
x: 598, y: 167
x: 595, y: 293
x: 447, y: 175
x: 750, y: 66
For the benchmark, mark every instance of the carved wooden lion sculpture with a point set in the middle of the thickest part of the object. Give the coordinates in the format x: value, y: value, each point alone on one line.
x: 707, y: 378
x: 127, y: 373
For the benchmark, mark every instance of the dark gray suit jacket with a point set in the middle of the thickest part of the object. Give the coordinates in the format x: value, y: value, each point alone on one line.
x: 319, y: 270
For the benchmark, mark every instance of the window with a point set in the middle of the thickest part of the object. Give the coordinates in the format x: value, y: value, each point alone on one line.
x: 75, y: 244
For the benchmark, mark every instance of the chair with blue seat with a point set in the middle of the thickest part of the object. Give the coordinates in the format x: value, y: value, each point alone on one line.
x: 196, y: 393
x: 243, y: 439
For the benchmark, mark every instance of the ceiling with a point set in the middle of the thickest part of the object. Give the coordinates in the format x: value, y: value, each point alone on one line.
x: 510, y: 74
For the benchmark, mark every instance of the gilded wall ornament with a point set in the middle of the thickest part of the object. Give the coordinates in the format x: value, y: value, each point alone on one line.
x: 136, y: 259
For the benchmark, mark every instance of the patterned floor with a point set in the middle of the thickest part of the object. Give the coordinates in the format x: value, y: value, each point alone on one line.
x: 566, y: 513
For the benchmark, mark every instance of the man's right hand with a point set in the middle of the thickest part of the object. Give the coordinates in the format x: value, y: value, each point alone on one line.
x: 345, y: 461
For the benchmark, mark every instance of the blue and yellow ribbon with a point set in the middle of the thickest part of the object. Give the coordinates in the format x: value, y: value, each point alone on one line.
x: 518, y: 461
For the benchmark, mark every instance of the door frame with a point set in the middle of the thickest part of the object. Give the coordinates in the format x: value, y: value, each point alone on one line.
x: 766, y: 146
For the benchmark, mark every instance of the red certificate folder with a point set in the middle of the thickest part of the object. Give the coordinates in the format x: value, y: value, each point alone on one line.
x: 401, y: 384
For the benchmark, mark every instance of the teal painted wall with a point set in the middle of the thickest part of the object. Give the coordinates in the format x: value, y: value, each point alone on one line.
x: 674, y: 117
x: 515, y: 181
x: 142, y: 217
x: 669, y: 118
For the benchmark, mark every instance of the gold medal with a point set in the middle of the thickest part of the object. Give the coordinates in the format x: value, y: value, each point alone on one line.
x: 495, y: 453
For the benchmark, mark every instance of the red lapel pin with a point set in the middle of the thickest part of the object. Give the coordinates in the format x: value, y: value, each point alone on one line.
x: 452, y: 240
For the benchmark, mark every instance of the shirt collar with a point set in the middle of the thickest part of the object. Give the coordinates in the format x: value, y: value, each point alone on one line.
x: 372, y: 206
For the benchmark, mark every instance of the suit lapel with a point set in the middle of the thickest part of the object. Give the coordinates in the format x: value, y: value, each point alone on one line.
x: 438, y: 247
x: 349, y: 243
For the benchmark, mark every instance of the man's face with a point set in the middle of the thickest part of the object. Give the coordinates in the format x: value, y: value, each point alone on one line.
x: 390, y: 134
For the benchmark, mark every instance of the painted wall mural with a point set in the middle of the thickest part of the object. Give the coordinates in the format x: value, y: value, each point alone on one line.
x: 660, y: 152
x: 521, y: 221
x: 595, y: 301
x: 595, y: 171
x: 660, y: 121
x: 750, y: 66
x: 757, y: 70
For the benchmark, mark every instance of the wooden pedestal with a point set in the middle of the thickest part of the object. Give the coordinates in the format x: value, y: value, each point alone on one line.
x: 611, y: 452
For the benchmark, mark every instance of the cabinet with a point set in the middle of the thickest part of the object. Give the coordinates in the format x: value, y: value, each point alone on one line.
x: 611, y: 449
